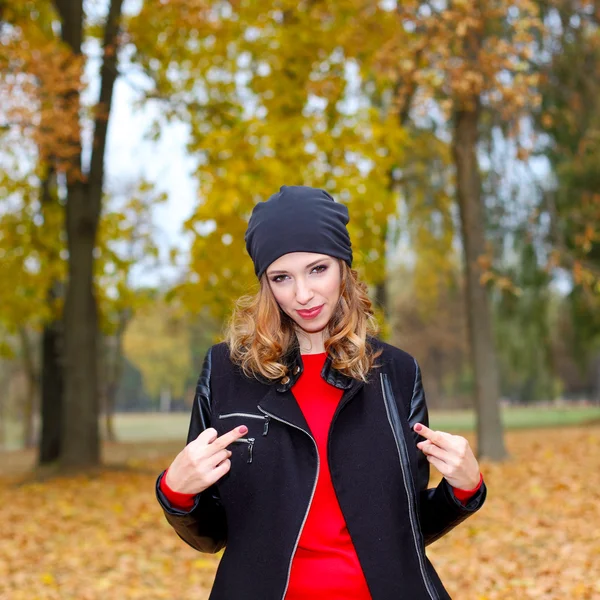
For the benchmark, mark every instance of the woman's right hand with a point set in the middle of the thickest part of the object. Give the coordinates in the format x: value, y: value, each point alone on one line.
x: 203, y: 461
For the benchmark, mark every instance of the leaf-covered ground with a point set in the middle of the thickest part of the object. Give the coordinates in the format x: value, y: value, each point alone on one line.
x: 103, y: 535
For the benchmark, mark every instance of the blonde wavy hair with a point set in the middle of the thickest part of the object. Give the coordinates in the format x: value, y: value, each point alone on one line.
x: 259, y: 334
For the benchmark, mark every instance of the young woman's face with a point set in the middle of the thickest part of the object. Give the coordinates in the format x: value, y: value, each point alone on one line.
x: 307, y: 287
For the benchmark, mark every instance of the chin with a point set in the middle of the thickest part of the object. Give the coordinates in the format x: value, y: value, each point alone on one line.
x: 314, y: 327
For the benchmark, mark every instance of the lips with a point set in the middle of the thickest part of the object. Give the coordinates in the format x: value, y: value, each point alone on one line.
x: 310, y: 314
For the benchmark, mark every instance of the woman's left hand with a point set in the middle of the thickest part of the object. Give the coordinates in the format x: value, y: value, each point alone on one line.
x: 451, y: 455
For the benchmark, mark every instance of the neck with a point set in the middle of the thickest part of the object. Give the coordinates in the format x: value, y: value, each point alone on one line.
x: 311, y: 343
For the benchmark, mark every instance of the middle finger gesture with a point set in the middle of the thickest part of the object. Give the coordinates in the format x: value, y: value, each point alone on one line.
x: 451, y: 455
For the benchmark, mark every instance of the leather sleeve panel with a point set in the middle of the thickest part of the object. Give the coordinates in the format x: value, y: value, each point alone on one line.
x: 439, y: 509
x: 202, y: 408
x: 204, y: 527
x: 418, y: 414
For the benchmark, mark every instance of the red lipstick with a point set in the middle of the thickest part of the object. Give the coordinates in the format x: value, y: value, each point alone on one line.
x: 310, y: 314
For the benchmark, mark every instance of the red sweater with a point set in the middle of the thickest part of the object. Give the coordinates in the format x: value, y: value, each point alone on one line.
x: 325, y: 565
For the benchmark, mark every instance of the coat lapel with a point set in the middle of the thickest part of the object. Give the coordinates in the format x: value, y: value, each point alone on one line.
x: 283, y: 406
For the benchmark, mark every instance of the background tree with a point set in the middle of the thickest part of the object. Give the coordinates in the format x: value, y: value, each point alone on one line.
x: 34, y: 77
x: 569, y: 125
x: 435, y: 331
x: 127, y: 241
x: 460, y: 56
x: 84, y: 189
x: 157, y: 341
x: 60, y: 213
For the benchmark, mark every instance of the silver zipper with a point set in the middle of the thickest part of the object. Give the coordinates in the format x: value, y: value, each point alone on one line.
x: 411, y: 500
x: 250, y: 442
x: 236, y: 414
x: 287, y: 581
x: 250, y: 416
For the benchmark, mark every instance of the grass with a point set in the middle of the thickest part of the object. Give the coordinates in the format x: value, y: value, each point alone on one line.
x: 526, y: 417
x: 159, y: 427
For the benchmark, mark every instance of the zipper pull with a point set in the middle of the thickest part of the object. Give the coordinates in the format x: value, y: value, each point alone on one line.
x: 266, y: 428
x: 250, y: 448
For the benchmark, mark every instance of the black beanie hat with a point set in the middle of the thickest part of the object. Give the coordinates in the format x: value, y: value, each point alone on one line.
x: 297, y: 219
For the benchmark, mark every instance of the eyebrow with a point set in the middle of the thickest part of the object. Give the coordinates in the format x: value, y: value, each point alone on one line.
x: 312, y: 264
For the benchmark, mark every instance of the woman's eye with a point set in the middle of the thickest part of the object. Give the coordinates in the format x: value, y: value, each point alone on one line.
x: 318, y: 269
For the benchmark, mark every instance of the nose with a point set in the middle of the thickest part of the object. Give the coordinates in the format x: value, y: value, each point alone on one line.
x: 304, y: 293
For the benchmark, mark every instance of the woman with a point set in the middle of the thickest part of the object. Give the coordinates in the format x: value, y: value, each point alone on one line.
x: 308, y: 450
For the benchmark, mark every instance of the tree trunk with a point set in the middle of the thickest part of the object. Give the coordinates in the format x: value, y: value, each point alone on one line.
x: 114, y: 364
x: 81, y: 440
x: 596, y: 391
x: 52, y: 388
x: 109, y: 412
x: 490, y: 440
x: 436, y: 377
x: 31, y: 393
x: 381, y: 297
x: 165, y: 400
x: 2, y: 419
x: 109, y: 385
x: 103, y: 370
x: 51, y: 369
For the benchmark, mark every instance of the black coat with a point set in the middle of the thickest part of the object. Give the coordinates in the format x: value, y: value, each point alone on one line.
x: 380, y: 478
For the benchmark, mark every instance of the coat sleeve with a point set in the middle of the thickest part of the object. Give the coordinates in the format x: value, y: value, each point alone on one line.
x: 204, y: 526
x: 439, y: 510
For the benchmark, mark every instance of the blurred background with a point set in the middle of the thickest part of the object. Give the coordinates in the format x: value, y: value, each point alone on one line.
x: 135, y: 138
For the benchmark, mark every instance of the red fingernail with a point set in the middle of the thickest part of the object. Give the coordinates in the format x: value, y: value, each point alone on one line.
x: 418, y: 427
x: 243, y: 429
